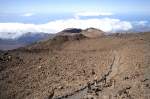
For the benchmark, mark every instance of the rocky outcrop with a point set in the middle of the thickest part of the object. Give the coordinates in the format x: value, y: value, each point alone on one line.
x: 71, y: 30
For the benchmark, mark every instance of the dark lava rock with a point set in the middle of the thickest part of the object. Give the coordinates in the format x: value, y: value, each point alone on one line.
x: 72, y: 30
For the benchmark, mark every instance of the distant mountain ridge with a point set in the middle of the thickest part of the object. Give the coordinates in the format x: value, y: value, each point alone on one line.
x: 25, y: 39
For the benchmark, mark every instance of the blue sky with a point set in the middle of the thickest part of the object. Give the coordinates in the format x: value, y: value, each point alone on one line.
x: 51, y: 16
x: 41, y: 11
x: 70, y: 6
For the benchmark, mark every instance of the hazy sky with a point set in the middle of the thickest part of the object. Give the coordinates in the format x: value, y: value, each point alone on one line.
x: 71, y: 6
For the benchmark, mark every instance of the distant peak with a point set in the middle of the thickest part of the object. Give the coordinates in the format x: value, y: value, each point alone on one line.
x: 93, y: 33
x: 92, y: 29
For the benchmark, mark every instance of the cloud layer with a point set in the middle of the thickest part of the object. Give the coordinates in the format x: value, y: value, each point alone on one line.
x: 93, y: 14
x: 105, y: 24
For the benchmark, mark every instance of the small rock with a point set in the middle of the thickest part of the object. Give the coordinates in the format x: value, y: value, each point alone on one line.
x: 39, y: 67
x: 93, y: 72
x: 60, y: 87
x: 51, y: 94
x: 126, y: 78
x: 144, y: 80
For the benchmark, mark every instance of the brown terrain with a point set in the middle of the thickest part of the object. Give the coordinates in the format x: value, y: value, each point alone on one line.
x: 79, y: 66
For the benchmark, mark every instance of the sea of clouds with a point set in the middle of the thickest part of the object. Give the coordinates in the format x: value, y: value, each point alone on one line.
x: 15, y: 30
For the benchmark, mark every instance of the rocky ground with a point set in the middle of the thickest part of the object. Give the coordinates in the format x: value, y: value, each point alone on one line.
x: 107, y: 67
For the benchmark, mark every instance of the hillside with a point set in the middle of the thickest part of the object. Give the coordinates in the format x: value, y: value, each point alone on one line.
x: 78, y: 67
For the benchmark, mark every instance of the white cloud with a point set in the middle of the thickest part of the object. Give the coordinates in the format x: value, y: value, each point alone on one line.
x: 106, y: 24
x: 14, y: 30
x: 141, y: 23
x: 28, y: 14
x: 85, y: 14
x: 140, y: 26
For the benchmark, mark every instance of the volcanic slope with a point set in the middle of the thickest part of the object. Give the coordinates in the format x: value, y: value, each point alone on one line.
x: 108, y: 67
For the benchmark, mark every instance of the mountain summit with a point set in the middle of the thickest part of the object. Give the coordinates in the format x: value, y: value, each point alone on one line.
x: 88, y: 33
